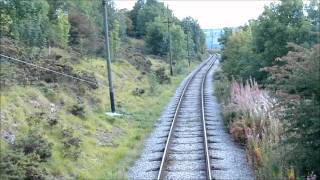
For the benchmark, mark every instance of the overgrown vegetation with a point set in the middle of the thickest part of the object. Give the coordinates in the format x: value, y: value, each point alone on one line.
x: 53, y: 127
x: 280, y: 50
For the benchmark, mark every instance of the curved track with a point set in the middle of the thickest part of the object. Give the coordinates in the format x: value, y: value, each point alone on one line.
x: 186, y: 153
x: 189, y: 141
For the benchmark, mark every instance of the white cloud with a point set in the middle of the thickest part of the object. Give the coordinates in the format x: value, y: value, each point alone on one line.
x: 211, y: 13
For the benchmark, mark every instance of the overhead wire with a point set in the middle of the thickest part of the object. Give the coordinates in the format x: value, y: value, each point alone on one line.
x: 50, y: 70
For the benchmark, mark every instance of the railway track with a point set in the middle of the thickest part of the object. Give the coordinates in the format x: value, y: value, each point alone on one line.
x: 189, y: 141
x: 186, y: 153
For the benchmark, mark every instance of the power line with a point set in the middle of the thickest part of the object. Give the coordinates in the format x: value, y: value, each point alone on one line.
x: 50, y: 70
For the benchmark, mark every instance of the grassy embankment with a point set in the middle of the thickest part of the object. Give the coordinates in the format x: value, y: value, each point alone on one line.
x: 87, y: 144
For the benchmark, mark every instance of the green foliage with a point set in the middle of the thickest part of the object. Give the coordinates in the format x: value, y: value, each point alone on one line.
x: 27, y: 20
x: 298, y: 79
x: 162, y: 77
x: 299, y: 73
x: 71, y: 144
x: 79, y: 25
x: 222, y: 87
x: 24, y: 159
x: 186, y: 35
x: 157, y: 37
x: 134, y: 17
x: 178, y: 42
x: 281, y: 50
x: 78, y: 110
x: 9, y: 164
x: 115, y: 38
x: 35, y: 144
x: 182, y: 67
x: 59, y: 34
x: 153, y: 81
x: 227, y: 32
x: 303, y: 129
x: 313, y: 10
x: 196, y: 36
x: 278, y: 25
x: 125, y: 22
x: 16, y: 165
x: 258, y: 44
x: 239, y: 60
x: 147, y: 14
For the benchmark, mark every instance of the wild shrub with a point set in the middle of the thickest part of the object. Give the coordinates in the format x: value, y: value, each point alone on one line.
x: 153, y: 81
x: 16, y: 165
x: 138, y: 92
x: 161, y: 76
x: 78, y: 110
x: 156, y: 78
x: 181, y: 67
x: 71, y: 144
x: 34, y: 143
x: 9, y: 164
x: 48, y: 92
x: 222, y: 87
x: 24, y: 159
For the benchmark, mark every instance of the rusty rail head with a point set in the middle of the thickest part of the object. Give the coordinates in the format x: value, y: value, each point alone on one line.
x: 173, y: 123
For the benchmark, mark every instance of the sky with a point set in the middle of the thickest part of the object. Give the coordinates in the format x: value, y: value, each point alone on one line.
x: 211, y: 13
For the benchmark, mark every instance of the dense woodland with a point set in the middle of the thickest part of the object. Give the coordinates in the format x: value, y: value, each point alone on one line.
x: 280, y: 50
x: 67, y: 36
x: 79, y: 25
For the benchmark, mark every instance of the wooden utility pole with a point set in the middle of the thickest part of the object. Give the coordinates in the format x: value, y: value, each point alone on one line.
x: 107, y: 54
x: 188, y: 48
x: 169, y: 34
x: 188, y: 36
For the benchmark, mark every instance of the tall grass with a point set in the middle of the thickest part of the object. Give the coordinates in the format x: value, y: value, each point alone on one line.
x: 257, y: 109
x: 253, y: 119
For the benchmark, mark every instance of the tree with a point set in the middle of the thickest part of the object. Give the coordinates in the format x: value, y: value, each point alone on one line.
x: 28, y: 21
x: 197, y: 36
x: 150, y: 10
x: 225, y: 35
x: 157, y: 37
x: 298, y: 79
x: 59, y: 31
x: 313, y: 10
x: 115, y: 39
x: 125, y: 23
x: 239, y: 61
x: 278, y: 25
x: 134, y: 16
x: 178, y: 42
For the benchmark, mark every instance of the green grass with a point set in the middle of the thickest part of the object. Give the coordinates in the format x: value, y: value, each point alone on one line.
x: 95, y: 161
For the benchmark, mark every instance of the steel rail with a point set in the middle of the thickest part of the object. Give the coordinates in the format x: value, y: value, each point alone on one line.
x: 206, y: 148
x: 173, y: 123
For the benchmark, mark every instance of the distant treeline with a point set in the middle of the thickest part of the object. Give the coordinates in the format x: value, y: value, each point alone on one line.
x: 38, y: 24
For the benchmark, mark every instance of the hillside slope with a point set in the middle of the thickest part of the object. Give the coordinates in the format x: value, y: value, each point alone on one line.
x: 56, y: 127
